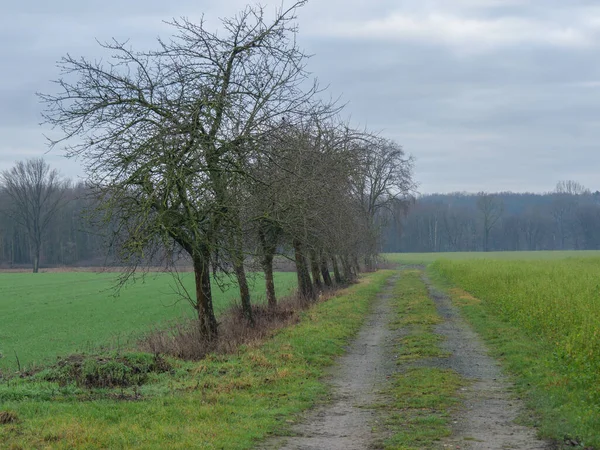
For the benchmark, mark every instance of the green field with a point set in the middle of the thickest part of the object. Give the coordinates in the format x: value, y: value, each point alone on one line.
x: 541, y: 317
x: 48, y: 314
x: 426, y: 258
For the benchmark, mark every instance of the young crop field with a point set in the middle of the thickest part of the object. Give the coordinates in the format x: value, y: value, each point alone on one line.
x: 541, y: 317
x: 49, y: 314
x: 426, y: 258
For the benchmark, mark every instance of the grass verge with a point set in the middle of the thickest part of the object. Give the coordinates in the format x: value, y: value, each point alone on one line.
x: 422, y: 397
x: 223, y: 401
x: 563, y: 405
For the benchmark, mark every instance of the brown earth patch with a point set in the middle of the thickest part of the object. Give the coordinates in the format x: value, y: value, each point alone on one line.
x: 7, y: 417
x: 463, y: 298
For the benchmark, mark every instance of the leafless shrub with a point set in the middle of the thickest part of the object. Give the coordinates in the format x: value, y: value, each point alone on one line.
x: 180, y: 339
x: 183, y: 339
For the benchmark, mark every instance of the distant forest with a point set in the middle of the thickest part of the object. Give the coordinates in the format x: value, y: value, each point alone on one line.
x: 565, y: 219
x: 69, y: 240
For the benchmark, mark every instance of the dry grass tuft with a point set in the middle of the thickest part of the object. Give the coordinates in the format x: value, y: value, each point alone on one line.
x: 462, y: 297
x: 183, y: 339
x: 7, y: 417
x: 90, y: 371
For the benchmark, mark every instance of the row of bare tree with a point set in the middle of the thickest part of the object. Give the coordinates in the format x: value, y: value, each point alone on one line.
x: 218, y: 147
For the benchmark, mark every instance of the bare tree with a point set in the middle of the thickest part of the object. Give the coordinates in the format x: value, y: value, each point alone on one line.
x: 456, y: 225
x: 36, y: 192
x: 533, y: 226
x: 164, y: 134
x: 566, y: 198
x: 491, y: 208
x: 571, y: 187
x: 383, y: 181
x: 306, y: 191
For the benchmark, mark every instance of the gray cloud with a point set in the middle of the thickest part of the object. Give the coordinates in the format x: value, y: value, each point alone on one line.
x: 487, y: 94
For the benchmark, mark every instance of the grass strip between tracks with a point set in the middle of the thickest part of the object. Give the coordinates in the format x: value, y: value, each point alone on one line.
x: 422, y: 397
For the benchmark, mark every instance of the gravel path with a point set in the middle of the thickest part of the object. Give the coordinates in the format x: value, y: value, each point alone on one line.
x: 345, y: 423
x: 486, y: 420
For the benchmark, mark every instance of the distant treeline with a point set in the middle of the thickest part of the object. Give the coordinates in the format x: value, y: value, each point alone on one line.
x: 70, y: 240
x: 434, y: 223
x: 566, y: 219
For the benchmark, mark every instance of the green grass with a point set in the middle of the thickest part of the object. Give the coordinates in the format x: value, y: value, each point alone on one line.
x: 416, y: 315
x: 48, y: 314
x: 542, y: 320
x: 427, y: 258
x: 220, y: 402
x: 421, y: 398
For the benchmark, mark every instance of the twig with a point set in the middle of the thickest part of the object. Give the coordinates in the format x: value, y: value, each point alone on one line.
x: 18, y: 362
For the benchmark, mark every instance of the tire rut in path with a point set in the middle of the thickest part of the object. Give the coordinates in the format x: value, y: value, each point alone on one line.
x: 345, y: 423
x: 486, y: 420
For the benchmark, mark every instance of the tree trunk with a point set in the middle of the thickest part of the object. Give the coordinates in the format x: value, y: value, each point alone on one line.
x: 486, y: 237
x: 356, y: 265
x: 315, y: 270
x: 36, y: 258
x: 269, y: 283
x: 336, y: 270
x: 237, y: 259
x: 305, y: 286
x: 325, y: 271
x: 240, y: 274
x: 369, y: 263
x: 204, y: 306
x: 347, y: 269
x: 267, y: 266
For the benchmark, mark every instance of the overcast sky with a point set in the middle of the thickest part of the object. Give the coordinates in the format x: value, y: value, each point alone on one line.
x: 486, y: 94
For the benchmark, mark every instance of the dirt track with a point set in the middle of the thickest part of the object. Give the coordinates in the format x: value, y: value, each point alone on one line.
x: 344, y: 423
x: 484, y: 421
x: 486, y: 418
